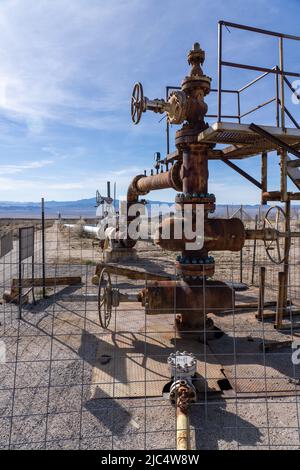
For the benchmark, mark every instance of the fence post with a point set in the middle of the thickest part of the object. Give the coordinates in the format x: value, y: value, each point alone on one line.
x: 241, y: 252
x: 261, y: 293
x: 280, y: 299
x: 43, y: 249
x: 254, y: 253
x: 20, y: 278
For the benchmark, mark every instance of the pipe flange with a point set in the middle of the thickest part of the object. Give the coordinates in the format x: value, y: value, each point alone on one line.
x: 196, y: 81
x: 195, y: 268
x: 134, y: 185
x: 175, y: 179
x: 208, y: 200
x: 176, y: 396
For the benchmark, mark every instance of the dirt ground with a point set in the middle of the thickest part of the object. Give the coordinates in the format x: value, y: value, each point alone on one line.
x: 47, y: 397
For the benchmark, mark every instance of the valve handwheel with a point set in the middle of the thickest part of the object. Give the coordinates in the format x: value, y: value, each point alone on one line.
x: 104, y: 298
x: 275, y: 223
x: 137, y: 103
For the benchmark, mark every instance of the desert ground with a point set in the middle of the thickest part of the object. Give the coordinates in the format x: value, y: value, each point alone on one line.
x: 67, y: 383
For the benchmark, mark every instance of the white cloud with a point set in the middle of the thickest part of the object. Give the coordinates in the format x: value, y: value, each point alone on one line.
x: 19, y: 168
x: 57, y: 61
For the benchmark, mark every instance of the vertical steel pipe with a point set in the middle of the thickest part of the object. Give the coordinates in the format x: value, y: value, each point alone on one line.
x: 220, y: 71
x: 264, y: 175
x: 281, y: 67
x: 195, y: 170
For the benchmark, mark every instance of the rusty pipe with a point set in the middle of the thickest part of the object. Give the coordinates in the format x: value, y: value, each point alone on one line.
x: 219, y: 235
x: 192, y: 301
x: 142, y: 185
x: 182, y: 430
x: 194, y: 171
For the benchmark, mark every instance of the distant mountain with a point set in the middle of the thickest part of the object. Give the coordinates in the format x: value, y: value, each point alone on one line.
x: 86, y: 208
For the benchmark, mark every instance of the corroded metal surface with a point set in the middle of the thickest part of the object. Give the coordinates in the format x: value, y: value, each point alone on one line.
x: 219, y: 235
x: 180, y: 296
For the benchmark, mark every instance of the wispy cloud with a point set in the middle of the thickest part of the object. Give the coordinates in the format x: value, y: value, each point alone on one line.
x: 14, y: 169
x: 66, y: 73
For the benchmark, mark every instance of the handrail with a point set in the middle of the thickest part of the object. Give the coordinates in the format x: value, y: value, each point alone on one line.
x: 277, y: 71
x: 259, y: 30
x: 260, y: 69
x: 254, y: 81
x: 258, y: 107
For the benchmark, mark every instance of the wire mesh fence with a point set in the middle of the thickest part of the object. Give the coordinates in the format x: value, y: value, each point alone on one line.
x: 68, y: 383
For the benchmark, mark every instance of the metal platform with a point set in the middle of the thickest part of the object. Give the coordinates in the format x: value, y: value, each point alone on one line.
x: 244, y: 142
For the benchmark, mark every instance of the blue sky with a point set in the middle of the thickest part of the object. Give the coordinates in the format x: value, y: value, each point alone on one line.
x: 67, y: 68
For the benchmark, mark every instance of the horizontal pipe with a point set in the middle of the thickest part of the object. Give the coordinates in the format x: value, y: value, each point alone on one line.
x: 276, y: 196
x: 155, y: 182
x: 219, y: 235
x: 193, y: 301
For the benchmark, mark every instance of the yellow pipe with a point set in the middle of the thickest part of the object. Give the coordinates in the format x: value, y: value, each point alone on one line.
x: 182, y: 431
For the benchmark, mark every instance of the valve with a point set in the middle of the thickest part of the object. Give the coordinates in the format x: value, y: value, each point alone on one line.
x: 182, y: 105
x: 109, y: 297
x: 139, y: 104
x: 280, y: 219
x: 182, y: 393
x: 273, y: 230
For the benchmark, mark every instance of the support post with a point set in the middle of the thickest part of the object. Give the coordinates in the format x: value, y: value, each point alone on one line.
x: 261, y: 294
x: 277, y: 96
x: 241, y: 253
x: 20, y: 279
x: 280, y: 300
x: 287, y: 245
x: 283, y: 175
x: 254, y: 253
x: 43, y: 249
x: 264, y: 175
x: 220, y: 71
x: 281, y: 67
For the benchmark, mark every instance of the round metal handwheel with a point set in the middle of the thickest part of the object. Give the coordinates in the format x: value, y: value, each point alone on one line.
x: 275, y: 218
x: 137, y: 103
x: 104, y: 298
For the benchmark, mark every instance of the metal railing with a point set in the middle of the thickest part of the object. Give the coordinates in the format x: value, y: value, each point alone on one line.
x: 280, y: 74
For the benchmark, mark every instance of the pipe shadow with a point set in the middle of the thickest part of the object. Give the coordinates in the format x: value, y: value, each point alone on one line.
x: 213, y: 422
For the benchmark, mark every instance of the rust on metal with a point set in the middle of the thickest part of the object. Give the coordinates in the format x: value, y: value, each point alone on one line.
x: 129, y: 272
x: 219, y: 235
